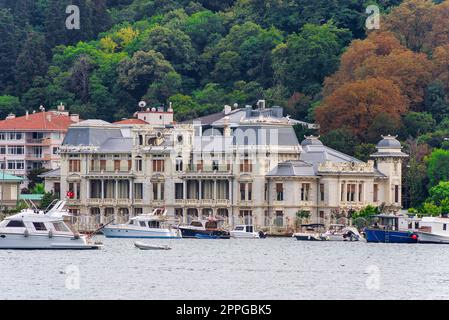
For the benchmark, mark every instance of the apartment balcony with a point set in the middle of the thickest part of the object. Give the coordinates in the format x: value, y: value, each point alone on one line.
x: 38, y: 156
x: 138, y: 201
x: 39, y: 142
x: 203, y: 202
x: 245, y: 203
x: 108, y: 202
x: 203, y: 171
x: 73, y: 202
x: 306, y: 203
x: 110, y: 173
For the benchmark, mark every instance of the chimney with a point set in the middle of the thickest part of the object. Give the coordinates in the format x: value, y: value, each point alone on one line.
x: 227, y: 109
x: 248, y: 109
x: 261, y: 104
x: 61, y: 107
x: 227, y: 128
x: 10, y: 116
x: 26, y: 115
x: 75, y: 118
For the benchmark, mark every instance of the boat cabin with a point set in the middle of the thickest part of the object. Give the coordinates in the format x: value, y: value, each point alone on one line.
x: 208, y: 224
x: 396, y: 222
x: 244, y: 228
x: 32, y: 223
x: 312, y: 227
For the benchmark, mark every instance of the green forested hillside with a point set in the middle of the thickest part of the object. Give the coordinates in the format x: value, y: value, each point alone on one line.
x: 197, y: 54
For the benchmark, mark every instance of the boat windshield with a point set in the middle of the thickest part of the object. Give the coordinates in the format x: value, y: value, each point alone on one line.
x: 153, y: 224
x: 239, y: 228
x: 15, y: 224
x: 60, y: 226
x: 211, y: 225
x: 196, y: 224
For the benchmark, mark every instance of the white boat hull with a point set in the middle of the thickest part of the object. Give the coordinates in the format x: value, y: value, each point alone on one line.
x: 44, y: 242
x: 144, y: 246
x: 425, y: 237
x: 121, y: 232
x: 244, y: 235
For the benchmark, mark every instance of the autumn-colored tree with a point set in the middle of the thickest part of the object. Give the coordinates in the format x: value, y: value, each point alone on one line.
x: 440, y: 59
x: 356, y: 105
x: 410, y: 71
x: 376, y: 44
x: 411, y: 22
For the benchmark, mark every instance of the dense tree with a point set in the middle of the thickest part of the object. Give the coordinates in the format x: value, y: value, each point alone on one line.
x: 437, y: 166
x: 175, y: 46
x: 358, y: 103
x: 417, y: 123
x: 31, y: 61
x: 308, y: 57
x: 435, y: 101
x: 415, y: 183
x: 9, y: 104
x: 411, y: 21
x: 136, y: 74
x: 342, y: 139
x: 9, y: 47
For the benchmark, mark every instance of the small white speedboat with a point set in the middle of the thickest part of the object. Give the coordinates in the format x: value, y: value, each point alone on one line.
x: 310, y: 232
x: 145, y: 246
x: 340, y: 232
x: 37, y: 229
x: 153, y: 225
x: 244, y: 232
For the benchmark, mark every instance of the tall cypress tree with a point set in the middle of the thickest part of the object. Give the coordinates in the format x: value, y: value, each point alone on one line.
x: 8, y: 49
x: 31, y: 62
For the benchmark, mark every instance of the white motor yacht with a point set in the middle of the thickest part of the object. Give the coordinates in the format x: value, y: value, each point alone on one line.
x: 153, y: 225
x: 433, y: 230
x: 37, y: 229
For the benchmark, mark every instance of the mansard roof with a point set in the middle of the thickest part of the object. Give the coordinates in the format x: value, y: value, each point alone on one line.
x: 294, y: 168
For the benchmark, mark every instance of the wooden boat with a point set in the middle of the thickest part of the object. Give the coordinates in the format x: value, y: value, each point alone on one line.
x: 145, y: 246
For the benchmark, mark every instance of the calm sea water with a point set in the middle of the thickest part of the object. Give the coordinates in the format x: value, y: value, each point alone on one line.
x: 229, y: 269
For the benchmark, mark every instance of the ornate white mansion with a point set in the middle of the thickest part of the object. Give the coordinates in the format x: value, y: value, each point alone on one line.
x: 244, y: 165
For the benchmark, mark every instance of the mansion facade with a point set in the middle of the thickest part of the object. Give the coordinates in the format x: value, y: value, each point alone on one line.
x: 242, y: 165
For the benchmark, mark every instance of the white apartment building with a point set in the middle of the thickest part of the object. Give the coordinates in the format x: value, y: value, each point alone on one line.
x: 243, y: 165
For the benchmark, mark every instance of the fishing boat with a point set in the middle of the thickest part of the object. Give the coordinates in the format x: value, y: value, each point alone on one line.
x: 204, y: 229
x: 310, y: 232
x: 433, y: 230
x: 393, y: 229
x: 244, y: 232
x: 153, y: 225
x: 340, y: 232
x: 44, y: 230
x: 146, y: 246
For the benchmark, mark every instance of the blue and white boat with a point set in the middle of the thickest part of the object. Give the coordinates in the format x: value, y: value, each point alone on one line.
x: 154, y: 225
x: 393, y: 229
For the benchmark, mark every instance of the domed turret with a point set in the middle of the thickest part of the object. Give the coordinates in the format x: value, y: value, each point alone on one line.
x: 311, y: 141
x: 389, y: 146
x: 389, y: 142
